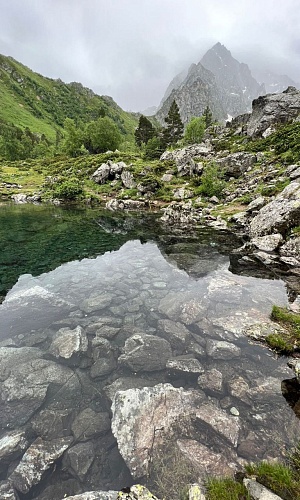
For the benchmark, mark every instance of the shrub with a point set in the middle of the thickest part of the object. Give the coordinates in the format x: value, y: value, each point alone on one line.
x: 212, y: 181
x: 68, y: 189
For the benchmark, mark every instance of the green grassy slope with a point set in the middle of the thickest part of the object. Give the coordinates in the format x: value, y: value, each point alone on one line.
x: 28, y: 99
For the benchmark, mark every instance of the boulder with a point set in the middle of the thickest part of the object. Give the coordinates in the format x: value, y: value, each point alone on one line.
x: 107, y: 171
x: 67, y: 343
x: 185, y: 364
x: 7, y: 492
x: 145, y: 353
x: 279, y: 215
x: 128, y: 179
x: 182, y: 194
x: 79, y: 458
x: 267, y: 243
x: 12, y: 444
x: 38, y: 458
x: 271, y: 110
x: 220, y: 349
x: 290, y: 252
x: 236, y: 164
x: 259, y: 492
x: 89, y: 423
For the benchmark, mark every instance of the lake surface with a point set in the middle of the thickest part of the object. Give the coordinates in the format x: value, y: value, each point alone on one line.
x: 109, y: 277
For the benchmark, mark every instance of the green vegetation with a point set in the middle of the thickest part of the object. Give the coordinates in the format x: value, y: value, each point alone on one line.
x: 194, y: 131
x: 284, y: 480
x: 226, y: 489
x: 173, y: 132
x: 212, y: 181
x: 30, y: 102
x: 289, y: 341
x: 144, y: 132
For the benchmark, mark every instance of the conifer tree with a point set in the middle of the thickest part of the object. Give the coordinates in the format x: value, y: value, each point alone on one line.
x: 144, y: 132
x: 174, y: 129
x: 208, y: 117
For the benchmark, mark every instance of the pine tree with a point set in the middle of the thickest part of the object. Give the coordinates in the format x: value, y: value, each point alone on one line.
x: 174, y: 129
x: 208, y: 117
x: 144, y: 132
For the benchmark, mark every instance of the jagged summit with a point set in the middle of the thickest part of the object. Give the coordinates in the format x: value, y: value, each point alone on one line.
x: 219, y: 81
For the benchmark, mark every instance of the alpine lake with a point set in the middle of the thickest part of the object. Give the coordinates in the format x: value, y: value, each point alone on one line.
x: 95, y: 302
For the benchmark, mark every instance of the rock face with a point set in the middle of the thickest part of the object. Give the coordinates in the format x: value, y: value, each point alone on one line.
x: 144, y: 419
x: 279, y: 215
x: 218, y: 81
x: 271, y: 110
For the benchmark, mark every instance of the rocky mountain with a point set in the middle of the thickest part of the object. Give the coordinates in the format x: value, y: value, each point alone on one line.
x: 218, y: 81
x: 28, y: 99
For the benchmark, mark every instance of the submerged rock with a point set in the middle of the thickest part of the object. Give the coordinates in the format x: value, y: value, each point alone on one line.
x: 145, y: 353
x: 67, y: 342
x: 37, y: 459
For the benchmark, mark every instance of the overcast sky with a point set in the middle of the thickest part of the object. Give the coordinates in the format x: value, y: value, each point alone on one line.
x: 131, y: 49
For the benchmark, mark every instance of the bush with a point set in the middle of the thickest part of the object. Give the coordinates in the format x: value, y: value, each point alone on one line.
x: 194, y: 131
x: 68, y: 189
x: 212, y: 181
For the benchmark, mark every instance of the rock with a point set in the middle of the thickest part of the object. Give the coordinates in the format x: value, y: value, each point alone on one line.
x: 79, y: 458
x: 185, y: 364
x: 181, y: 213
x: 214, y: 199
x: 238, y: 388
x: 267, y: 243
x: 211, y: 380
x: 206, y: 461
x: 167, y: 177
x: 12, y: 445
x: 175, y: 333
x: 139, y: 415
x: 7, y: 492
x: 183, y: 158
x: 290, y: 252
x: 182, y: 306
x: 24, y: 391
x: 234, y: 411
x: 52, y: 423
x: 225, y: 425
x: 195, y: 492
x: 136, y: 492
x: 67, y: 342
x: 89, y: 423
x: 97, y: 302
x: 19, y: 198
x: 260, y: 331
x: 115, y: 204
x: 273, y: 109
x: 11, y: 357
x: 236, y: 164
x: 107, y: 171
x: 256, y: 204
x: 128, y: 179
x: 38, y: 458
x: 182, y: 194
x: 95, y: 495
x: 125, y: 383
x: 279, y: 215
x: 258, y: 491
x: 145, y: 353
x: 102, y: 367
x: 220, y: 349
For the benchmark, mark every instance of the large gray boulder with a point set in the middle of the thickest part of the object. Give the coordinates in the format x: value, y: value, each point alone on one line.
x: 184, y: 158
x: 279, y: 215
x: 271, y: 110
x: 107, y: 171
x: 236, y: 164
x: 145, y: 353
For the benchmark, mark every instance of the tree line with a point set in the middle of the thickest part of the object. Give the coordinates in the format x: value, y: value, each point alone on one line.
x: 102, y: 135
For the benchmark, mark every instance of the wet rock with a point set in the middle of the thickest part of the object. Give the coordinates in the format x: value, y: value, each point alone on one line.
x: 175, y: 333
x: 260, y: 331
x: 89, y: 423
x: 125, y: 383
x: 263, y: 388
x: 185, y: 364
x: 97, y: 302
x: 220, y: 349
x: 38, y: 458
x: 102, y: 367
x: 211, y: 380
x: 140, y: 415
x: 12, y: 445
x: 52, y: 423
x: 7, y: 492
x: 279, y: 215
x: 206, y: 461
x: 79, y: 458
x: 145, y: 353
x: 182, y: 306
x: 238, y: 388
x: 67, y: 342
x: 24, y: 391
x: 258, y: 491
x: 11, y: 357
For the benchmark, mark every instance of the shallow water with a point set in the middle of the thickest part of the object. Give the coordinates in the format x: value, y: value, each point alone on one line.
x: 115, y: 276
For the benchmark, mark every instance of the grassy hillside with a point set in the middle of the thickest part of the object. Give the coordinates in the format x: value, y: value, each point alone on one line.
x: 28, y: 99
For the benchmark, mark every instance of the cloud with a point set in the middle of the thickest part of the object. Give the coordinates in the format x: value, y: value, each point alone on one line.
x: 131, y: 49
